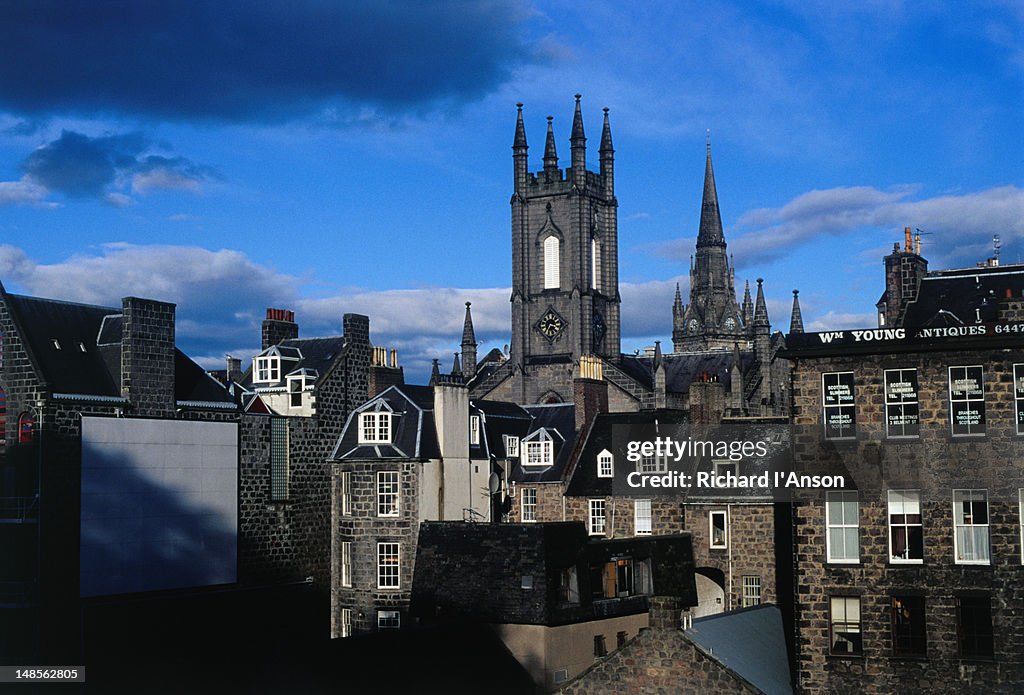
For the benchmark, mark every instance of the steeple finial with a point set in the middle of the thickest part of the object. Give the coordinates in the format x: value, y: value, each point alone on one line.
x: 468, y: 334
x: 796, y: 319
x: 760, y: 307
x: 520, y: 139
x: 606, y: 135
x: 550, y: 155
x: 578, y: 140
x: 710, y: 232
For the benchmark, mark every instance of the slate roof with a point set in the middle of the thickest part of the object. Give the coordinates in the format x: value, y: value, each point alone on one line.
x: 750, y: 642
x: 88, y: 360
x: 414, y: 435
x: 560, y: 422
x: 683, y: 369
x: 962, y: 297
x: 584, y: 481
x: 497, y: 419
x: 315, y: 355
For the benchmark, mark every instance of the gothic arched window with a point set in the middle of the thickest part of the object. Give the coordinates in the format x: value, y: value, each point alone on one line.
x: 552, y: 280
x: 595, y: 264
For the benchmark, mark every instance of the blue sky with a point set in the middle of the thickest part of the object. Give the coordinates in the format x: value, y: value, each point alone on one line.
x: 336, y: 157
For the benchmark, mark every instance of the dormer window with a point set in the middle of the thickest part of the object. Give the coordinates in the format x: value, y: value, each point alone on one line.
x: 267, y: 369
x: 539, y: 453
x: 375, y: 428
x: 605, y: 464
x: 296, y: 384
x: 511, y: 446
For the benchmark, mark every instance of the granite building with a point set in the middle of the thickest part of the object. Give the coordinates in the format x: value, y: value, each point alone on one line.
x: 910, y: 577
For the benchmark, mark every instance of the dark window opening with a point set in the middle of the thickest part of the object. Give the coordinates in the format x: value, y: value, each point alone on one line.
x: 974, y: 626
x: 908, y: 626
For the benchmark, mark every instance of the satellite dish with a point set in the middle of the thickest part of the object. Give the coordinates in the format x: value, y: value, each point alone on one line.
x: 494, y: 483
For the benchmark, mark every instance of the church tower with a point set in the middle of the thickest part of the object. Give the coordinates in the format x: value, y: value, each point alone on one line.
x: 712, y: 320
x: 565, y: 278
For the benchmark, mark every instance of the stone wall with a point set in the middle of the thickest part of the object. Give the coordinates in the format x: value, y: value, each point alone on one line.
x: 934, y: 464
x: 147, y: 357
x: 661, y: 659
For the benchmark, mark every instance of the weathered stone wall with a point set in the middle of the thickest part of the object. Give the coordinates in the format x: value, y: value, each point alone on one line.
x: 147, y: 357
x: 365, y: 529
x: 661, y: 659
x: 935, y: 463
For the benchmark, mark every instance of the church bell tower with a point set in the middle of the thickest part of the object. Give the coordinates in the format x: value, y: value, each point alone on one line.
x: 565, y: 277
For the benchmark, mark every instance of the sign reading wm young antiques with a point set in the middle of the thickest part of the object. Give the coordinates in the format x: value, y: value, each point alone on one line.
x: 882, y: 339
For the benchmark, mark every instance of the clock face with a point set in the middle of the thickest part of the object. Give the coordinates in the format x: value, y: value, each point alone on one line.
x: 692, y: 325
x: 550, y: 324
x: 730, y: 323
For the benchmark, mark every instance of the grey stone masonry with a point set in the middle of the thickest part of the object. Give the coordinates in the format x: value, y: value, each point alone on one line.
x: 147, y: 356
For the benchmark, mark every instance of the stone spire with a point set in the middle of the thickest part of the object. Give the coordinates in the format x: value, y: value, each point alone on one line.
x: 456, y: 366
x: 578, y: 141
x: 677, y: 303
x: 435, y: 374
x: 710, y: 233
x: 519, y: 148
x: 796, y: 319
x: 760, y: 308
x: 468, y: 345
x: 748, y: 307
x: 607, y: 155
x: 550, y: 155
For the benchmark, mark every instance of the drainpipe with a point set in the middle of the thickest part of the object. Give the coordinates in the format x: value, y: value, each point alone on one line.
x: 728, y: 531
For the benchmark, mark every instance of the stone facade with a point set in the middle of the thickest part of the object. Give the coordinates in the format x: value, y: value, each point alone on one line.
x: 931, y: 465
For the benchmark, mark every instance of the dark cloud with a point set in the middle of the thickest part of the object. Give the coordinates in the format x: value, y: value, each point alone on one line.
x: 251, y: 61
x: 79, y: 166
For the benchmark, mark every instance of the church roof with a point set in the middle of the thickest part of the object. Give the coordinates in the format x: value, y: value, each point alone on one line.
x: 683, y: 369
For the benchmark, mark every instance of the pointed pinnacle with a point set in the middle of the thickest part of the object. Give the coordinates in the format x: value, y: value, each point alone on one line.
x: 796, y: 319
x: 710, y: 232
x: 577, y: 122
x: 468, y: 334
x: 550, y: 155
x: 520, y: 139
x: 606, y: 135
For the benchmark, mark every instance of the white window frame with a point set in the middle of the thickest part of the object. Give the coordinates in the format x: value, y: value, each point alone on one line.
x: 843, y: 617
x: 850, y: 408
x: 389, y: 493
x: 967, y: 399
x: 899, y: 407
x: 842, y: 498
x: 980, y: 538
x: 724, y: 542
x: 1018, y: 397
x: 292, y: 391
x: 346, y: 564
x: 384, y: 619
x: 266, y: 369
x: 346, y: 622
x: 552, y: 260
x: 539, y: 452
x: 375, y: 427
x: 902, y: 507
x: 511, y: 446
x: 528, y: 504
x: 652, y: 465
x: 597, y: 518
x: 389, y: 565
x: 346, y: 493
x: 595, y: 264
x: 643, y: 517
x: 605, y: 464
x: 474, y: 429
x: 751, y: 590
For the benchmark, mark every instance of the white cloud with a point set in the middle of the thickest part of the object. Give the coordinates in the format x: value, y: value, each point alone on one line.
x: 24, y: 192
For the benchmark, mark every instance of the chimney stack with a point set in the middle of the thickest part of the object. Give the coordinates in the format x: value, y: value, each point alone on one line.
x: 589, y: 391
x: 147, y: 356
x: 278, y: 327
